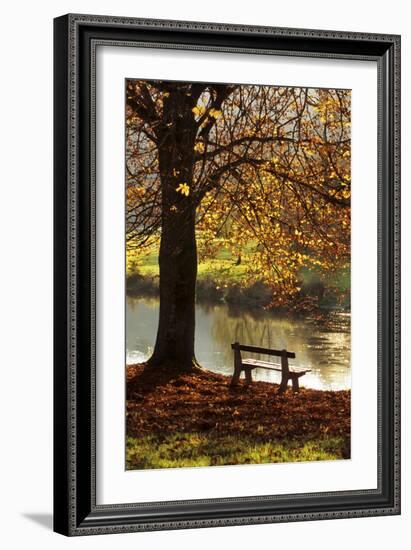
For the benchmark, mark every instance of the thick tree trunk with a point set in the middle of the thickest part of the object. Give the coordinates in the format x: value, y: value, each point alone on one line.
x: 178, y: 250
x: 178, y: 274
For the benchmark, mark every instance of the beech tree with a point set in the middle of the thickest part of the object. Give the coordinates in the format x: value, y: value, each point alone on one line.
x: 239, y: 164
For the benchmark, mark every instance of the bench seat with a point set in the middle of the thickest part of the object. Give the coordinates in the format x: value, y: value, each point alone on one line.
x: 258, y: 364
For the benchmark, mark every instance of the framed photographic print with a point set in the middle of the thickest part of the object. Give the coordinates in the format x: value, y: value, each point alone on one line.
x: 227, y: 280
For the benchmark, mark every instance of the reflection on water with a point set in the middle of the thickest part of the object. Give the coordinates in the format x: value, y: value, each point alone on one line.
x: 324, y: 349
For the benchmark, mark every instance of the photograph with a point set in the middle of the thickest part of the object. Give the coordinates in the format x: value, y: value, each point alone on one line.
x: 238, y: 274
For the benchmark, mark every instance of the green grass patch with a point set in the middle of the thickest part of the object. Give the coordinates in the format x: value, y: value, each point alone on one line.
x: 340, y: 278
x: 221, y: 268
x: 182, y: 450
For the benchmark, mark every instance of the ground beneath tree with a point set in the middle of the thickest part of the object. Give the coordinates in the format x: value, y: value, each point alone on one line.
x: 162, y: 403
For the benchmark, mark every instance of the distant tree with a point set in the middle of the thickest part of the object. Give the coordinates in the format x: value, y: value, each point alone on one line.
x: 244, y: 164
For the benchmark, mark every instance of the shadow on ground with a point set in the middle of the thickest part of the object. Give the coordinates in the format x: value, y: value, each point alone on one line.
x: 44, y: 520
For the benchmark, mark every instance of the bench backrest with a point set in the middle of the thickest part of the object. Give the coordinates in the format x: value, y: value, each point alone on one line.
x: 263, y: 351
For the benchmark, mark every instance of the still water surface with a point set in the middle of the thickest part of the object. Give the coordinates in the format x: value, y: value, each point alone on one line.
x: 325, y: 348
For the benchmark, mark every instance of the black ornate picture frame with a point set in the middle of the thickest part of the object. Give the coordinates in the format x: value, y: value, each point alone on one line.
x: 76, y: 38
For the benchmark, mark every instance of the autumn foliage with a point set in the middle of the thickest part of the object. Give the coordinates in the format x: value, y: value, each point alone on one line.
x: 267, y: 168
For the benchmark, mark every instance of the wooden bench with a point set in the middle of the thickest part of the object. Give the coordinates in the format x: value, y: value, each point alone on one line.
x: 248, y: 365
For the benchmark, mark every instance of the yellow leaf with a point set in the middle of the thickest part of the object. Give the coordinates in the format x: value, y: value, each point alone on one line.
x: 199, y: 147
x: 198, y: 110
x: 183, y: 188
x: 215, y: 113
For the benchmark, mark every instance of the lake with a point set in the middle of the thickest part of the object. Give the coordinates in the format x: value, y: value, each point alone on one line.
x: 323, y: 347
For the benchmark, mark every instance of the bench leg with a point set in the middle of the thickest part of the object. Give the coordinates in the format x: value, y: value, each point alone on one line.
x: 283, y: 385
x: 236, y: 376
x: 296, y: 387
x: 248, y: 376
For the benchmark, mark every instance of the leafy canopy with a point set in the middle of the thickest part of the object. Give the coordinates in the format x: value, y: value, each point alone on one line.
x: 270, y: 172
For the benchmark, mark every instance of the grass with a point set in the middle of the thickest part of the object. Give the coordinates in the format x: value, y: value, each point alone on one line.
x: 341, y: 278
x: 220, y: 279
x: 182, y: 450
x: 222, y: 267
